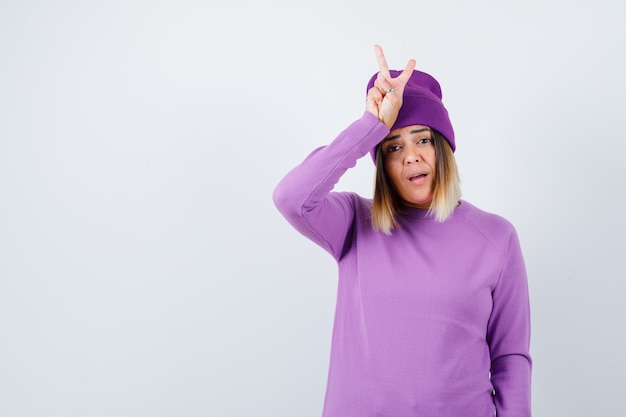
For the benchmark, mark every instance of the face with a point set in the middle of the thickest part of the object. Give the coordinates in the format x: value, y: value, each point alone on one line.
x: 410, y: 163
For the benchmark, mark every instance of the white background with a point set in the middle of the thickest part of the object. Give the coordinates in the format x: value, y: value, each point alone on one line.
x: 144, y: 270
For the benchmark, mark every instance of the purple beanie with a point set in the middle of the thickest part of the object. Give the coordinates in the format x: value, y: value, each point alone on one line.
x: 421, y: 105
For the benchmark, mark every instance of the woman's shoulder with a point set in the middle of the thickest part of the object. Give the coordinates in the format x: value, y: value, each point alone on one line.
x: 493, y: 226
x: 357, y: 201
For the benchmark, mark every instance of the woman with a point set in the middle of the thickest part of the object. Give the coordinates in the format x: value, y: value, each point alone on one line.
x: 432, y: 315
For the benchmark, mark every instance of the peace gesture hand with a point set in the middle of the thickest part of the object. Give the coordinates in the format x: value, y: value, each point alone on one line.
x: 385, y: 98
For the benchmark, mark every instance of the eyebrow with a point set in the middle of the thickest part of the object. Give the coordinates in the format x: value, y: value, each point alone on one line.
x: 412, y: 132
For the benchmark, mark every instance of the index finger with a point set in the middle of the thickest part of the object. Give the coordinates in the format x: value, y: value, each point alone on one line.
x: 382, y: 62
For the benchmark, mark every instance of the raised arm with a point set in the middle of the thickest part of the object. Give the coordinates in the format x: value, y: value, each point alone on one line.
x: 304, y: 195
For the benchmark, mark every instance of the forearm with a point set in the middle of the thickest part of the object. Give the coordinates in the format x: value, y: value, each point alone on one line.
x: 511, y: 378
x: 509, y: 337
x: 303, y: 196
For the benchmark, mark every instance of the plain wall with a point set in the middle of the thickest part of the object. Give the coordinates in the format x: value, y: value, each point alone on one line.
x: 144, y: 270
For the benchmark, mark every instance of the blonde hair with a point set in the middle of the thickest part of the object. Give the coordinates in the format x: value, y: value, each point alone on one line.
x: 387, y: 204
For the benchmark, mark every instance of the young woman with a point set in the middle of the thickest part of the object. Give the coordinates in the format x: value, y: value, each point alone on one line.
x: 432, y: 315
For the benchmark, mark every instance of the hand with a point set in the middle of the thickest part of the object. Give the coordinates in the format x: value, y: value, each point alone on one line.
x: 385, y: 98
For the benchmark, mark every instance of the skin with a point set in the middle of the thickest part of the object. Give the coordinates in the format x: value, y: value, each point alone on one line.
x: 380, y: 102
x: 410, y: 164
x: 409, y: 153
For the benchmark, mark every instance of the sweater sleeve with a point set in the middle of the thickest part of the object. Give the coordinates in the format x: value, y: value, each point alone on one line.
x: 508, y: 335
x: 304, y: 195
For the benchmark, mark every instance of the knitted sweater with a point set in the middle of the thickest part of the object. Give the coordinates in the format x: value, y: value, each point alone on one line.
x: 432, y: 320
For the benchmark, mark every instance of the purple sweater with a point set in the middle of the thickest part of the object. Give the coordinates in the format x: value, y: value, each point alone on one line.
x: 431, y: 320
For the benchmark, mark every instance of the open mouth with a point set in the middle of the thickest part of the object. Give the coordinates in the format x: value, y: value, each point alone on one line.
x: 416, y: 177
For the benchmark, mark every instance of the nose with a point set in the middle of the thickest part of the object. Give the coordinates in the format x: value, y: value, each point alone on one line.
x: 411, y: 155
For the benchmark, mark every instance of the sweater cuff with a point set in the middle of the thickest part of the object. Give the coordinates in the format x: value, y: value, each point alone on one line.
x: 374, y: 132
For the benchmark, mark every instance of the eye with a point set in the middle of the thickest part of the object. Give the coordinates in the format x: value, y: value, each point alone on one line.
x: 393, y: 148
x: 424, y: 141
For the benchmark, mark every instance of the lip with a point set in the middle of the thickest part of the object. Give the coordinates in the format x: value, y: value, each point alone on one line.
x: 417, y: 177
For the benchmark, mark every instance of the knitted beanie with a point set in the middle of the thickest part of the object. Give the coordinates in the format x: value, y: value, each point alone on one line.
x: 421, y: 105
